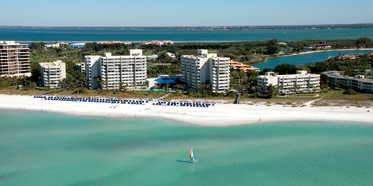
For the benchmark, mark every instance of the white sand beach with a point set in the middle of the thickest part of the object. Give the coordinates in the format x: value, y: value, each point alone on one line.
x: 218, y: 115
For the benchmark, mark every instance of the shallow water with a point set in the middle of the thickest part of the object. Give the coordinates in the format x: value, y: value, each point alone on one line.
x: 305, y: 58
x: 50, y: 149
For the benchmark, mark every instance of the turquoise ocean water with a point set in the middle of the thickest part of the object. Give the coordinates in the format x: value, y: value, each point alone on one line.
x: 49, y: 149
x: 304, y: 58
x: 52, y: 35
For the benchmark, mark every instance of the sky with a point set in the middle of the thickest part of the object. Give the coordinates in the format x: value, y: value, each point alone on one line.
x: 134, y: 13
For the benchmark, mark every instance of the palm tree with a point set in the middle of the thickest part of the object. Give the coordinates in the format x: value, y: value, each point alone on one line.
x: 106, y: 84
x: 198, y: 86
x: 297, y: 87
x: 167, y: 85
x: 208, y: 86
x: 272, y: 90
x: 182, y: 87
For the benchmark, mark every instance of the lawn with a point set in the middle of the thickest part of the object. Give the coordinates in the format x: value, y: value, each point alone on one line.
x: 148, y: 53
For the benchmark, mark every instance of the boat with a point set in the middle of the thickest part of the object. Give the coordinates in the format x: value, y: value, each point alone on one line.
x: 192, y: 160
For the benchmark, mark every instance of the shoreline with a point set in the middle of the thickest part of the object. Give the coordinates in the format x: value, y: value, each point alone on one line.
x: 311, y: 52
x: 219, y: 115
x: 175, y: 42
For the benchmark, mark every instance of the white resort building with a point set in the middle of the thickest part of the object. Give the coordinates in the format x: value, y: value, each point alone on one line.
x: 52, y: 73
x: 112, y: 72
x: 299, y: 82
x: 205, y: 67
x: 14, y: 59
x: 80, y: 66
x: 358, y: 82
x: 56, y: 45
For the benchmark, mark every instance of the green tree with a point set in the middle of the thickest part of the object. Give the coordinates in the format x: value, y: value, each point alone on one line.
x: 350, y: 92
x: 286, y: 69
x: 272, y: 90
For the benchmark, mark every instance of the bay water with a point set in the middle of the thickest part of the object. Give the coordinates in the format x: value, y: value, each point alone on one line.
x: 303, y: 59
x: 50, y: 149
x: 76, y: 35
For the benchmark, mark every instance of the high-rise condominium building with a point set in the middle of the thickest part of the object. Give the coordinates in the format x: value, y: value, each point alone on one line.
x: 112, y: 72
x: 52, y: 73
x: 14, y: 59
x: 299, y: 82
x: 205, y: 67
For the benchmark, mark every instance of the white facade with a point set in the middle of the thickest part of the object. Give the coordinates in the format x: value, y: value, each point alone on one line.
x: 358, y: 82
x: 56, y: 45
x: 114, y: 71
x: 14, y: 59
x: 152, y: 57
x: 171, y: 55
x: 206, y: 67
x: 92, y: 70
x: 160, y: 43
x: 299, y: 82
x: 114, y: 42
x: 80, y: 66
x: 52, y: 73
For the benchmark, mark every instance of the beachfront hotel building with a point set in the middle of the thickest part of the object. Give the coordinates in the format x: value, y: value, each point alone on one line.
x: 205, y: 67
x: 292, y: 83
x: 14, y: 59
x: 110, y: 72
x: 358, y: 82
x: 52, y: 73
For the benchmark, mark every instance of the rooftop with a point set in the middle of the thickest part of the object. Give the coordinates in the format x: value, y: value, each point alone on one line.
x: 51, y: 64
x: 10, y: 43
x: 336, y: 74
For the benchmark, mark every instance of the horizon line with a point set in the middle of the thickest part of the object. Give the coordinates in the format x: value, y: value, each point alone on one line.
x: 331, y: 24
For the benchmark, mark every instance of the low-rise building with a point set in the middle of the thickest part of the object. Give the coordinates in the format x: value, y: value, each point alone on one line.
x: 164, y: 79
x: 55, y: 45
x: 52, y: 73
x: 242, y: 67
x: 171, y: 55
x: 160, y: 43
x: 152, y: 57
x: 292, y: 83
x: 77, y: 45
x: 359, y: 82
x: 322, y: 45
x: 348, y: 56
x: 205, y: 67
x: 318, y: 45
x: 308, y: 48
x: 369, y: 72
x: 113, y: 42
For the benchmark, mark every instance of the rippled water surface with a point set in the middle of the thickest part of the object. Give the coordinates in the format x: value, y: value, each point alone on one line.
x: 49, y: 149
x: 53, y: 35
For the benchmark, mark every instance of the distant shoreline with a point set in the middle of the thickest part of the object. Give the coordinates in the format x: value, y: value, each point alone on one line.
x: 262, y: 27
x: 310, y: 52
x: 194, y: 41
